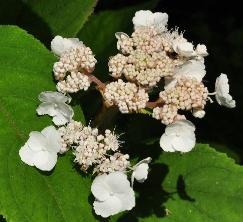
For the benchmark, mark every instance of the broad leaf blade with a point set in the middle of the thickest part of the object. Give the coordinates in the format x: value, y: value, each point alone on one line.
x: 27, y: 194
x: 47, y: 18
x: 63, y: 17
x: 203, y: 185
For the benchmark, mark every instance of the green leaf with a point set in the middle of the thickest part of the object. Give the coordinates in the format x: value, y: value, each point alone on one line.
x: 47, y: 18
x: 27, y: 194
x: 63, y: 17
x: 203, y: 185
x: 99, y: 32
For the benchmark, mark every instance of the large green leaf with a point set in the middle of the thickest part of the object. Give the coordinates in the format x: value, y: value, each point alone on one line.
x: 63, y: 17
x: 203, y: 185
x: 27, y: 194
x: 46, y: 18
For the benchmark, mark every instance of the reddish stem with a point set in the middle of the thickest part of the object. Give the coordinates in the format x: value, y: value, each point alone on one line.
x: 154, y: 104
x: 94, y: 79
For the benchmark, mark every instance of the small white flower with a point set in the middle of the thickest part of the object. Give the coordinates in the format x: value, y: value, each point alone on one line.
x: 222, y: 92
x: 113, y: 194
x: 41, y: 149
x: 191, y: 69
x: 201, y: 50
x: 140, y: 172
x: 183, y: 47
x: 59, y: 44
x: 146, y: 18
x: 54, y: 104
x: 178, y: 136
x: 198, y: 113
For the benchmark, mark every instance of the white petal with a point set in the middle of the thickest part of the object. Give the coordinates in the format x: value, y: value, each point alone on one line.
x: 36, y: 141
x: 222, y: 92
x: 159, y: 20
x: 45, y: 160
x: 141, y: 18
x: 141, y: 172
x: 145, y: 18
x: 178, y: 127
x: 26, y: 155
x: 109, y: 207
x: 65, y: 110
x: 184, y: 143
x: 228, y: 101
x: 146, y: 160
x: 53, y: 97
x: 185, y: 49
x: 46, y: 108
x: 201, y: 50
x: 100, y: 189
x: 191, y: 69
x: 60, y: 120
x: 64, y: 114
x: 59, y: 44
x: 118, y: 182
x: 199, y: 113
x: 165, y: 143
x: 53, y: 139
x: 178, y: 136
x: 127, y: 199
x: 170, y: 82
x: 119, y: 35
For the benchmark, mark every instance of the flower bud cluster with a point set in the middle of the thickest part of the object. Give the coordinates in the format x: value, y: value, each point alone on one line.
x: 144, y: 60
x: 72, y: 68
x: 92, y: 149
x: 116, y: 162
x: 127, y: 96
x: 73, y: 83
x: 166, y: 113
x: 186, y: 95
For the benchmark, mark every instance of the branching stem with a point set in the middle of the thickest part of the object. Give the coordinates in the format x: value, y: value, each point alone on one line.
x: 99, y: 83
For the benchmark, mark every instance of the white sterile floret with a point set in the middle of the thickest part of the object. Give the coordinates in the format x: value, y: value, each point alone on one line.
x: 146, y: 18
x: 140, y: 172
x: 54, y: 104
x: 182, y: 47
x: 127, y: 96
x: 59, y: 44
x: 222, y: 92
x: 192, y: 69
x: 113, y: 194
x: 41, y: 149
x: 178, y: 136
x: 201, y: 50
x: 198, y: 113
